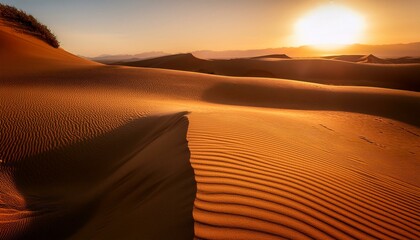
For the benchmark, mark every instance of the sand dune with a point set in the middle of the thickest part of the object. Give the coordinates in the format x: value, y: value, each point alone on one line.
x: 361, y: 59
x: 20, y: 53
x: 325, y: 71
x: 105, y: 152
x: 84, y: 163
x: 374, y: 59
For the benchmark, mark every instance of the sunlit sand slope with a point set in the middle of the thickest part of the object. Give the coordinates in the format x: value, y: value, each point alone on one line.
x: 263, y: 176
x: 23, y: 54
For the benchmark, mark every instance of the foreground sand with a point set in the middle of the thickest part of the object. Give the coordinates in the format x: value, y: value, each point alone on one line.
x: 92, y: 151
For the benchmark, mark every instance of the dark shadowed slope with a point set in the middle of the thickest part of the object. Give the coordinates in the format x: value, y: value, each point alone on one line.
x: 116, y: 185
x: 401, y: 106
x: 272, y: 56
x: 185, y: 61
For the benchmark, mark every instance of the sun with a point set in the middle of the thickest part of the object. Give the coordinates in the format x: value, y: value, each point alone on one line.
x: 329, y: 26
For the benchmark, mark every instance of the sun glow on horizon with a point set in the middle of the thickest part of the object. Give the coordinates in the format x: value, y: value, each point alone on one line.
x: 329, y: 27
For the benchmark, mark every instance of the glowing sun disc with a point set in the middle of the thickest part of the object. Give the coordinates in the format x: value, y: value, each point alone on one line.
x: 329, y: 26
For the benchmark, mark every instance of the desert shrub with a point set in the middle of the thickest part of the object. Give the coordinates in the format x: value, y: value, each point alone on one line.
x: 22, y: 21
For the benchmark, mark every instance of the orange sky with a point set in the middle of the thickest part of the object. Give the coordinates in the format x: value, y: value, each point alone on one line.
x: 97, y: 27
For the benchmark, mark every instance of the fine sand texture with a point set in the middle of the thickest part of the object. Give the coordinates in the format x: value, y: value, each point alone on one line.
x: 90, y: 151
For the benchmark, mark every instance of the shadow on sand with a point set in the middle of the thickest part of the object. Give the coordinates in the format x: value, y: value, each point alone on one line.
x: 134, y: 181
x: 398, y: 107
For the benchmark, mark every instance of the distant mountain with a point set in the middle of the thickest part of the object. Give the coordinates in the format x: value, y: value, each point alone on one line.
x: 406, y: 52
x: 105, y: 58
x: 382, y: 51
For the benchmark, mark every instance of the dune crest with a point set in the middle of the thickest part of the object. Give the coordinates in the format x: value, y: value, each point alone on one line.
x: 372, y: 59
x: 338, y: 70
x: 272, y: 57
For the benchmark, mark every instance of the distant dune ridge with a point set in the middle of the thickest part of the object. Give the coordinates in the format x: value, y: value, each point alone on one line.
x: 335, y: 70
x: 371, y: 59
x: 406, y: 53
x: 127, y: 58
x: 272, y: 57
x: 408, y: 50
x: 92, y: 151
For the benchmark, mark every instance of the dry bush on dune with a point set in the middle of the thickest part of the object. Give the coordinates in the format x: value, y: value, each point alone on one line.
x: 25, y: 22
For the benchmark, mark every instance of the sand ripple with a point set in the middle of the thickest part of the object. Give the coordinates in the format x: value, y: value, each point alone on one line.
x: 256, y: 184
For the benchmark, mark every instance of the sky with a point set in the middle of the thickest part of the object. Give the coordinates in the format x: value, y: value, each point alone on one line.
x: 96, y: 27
